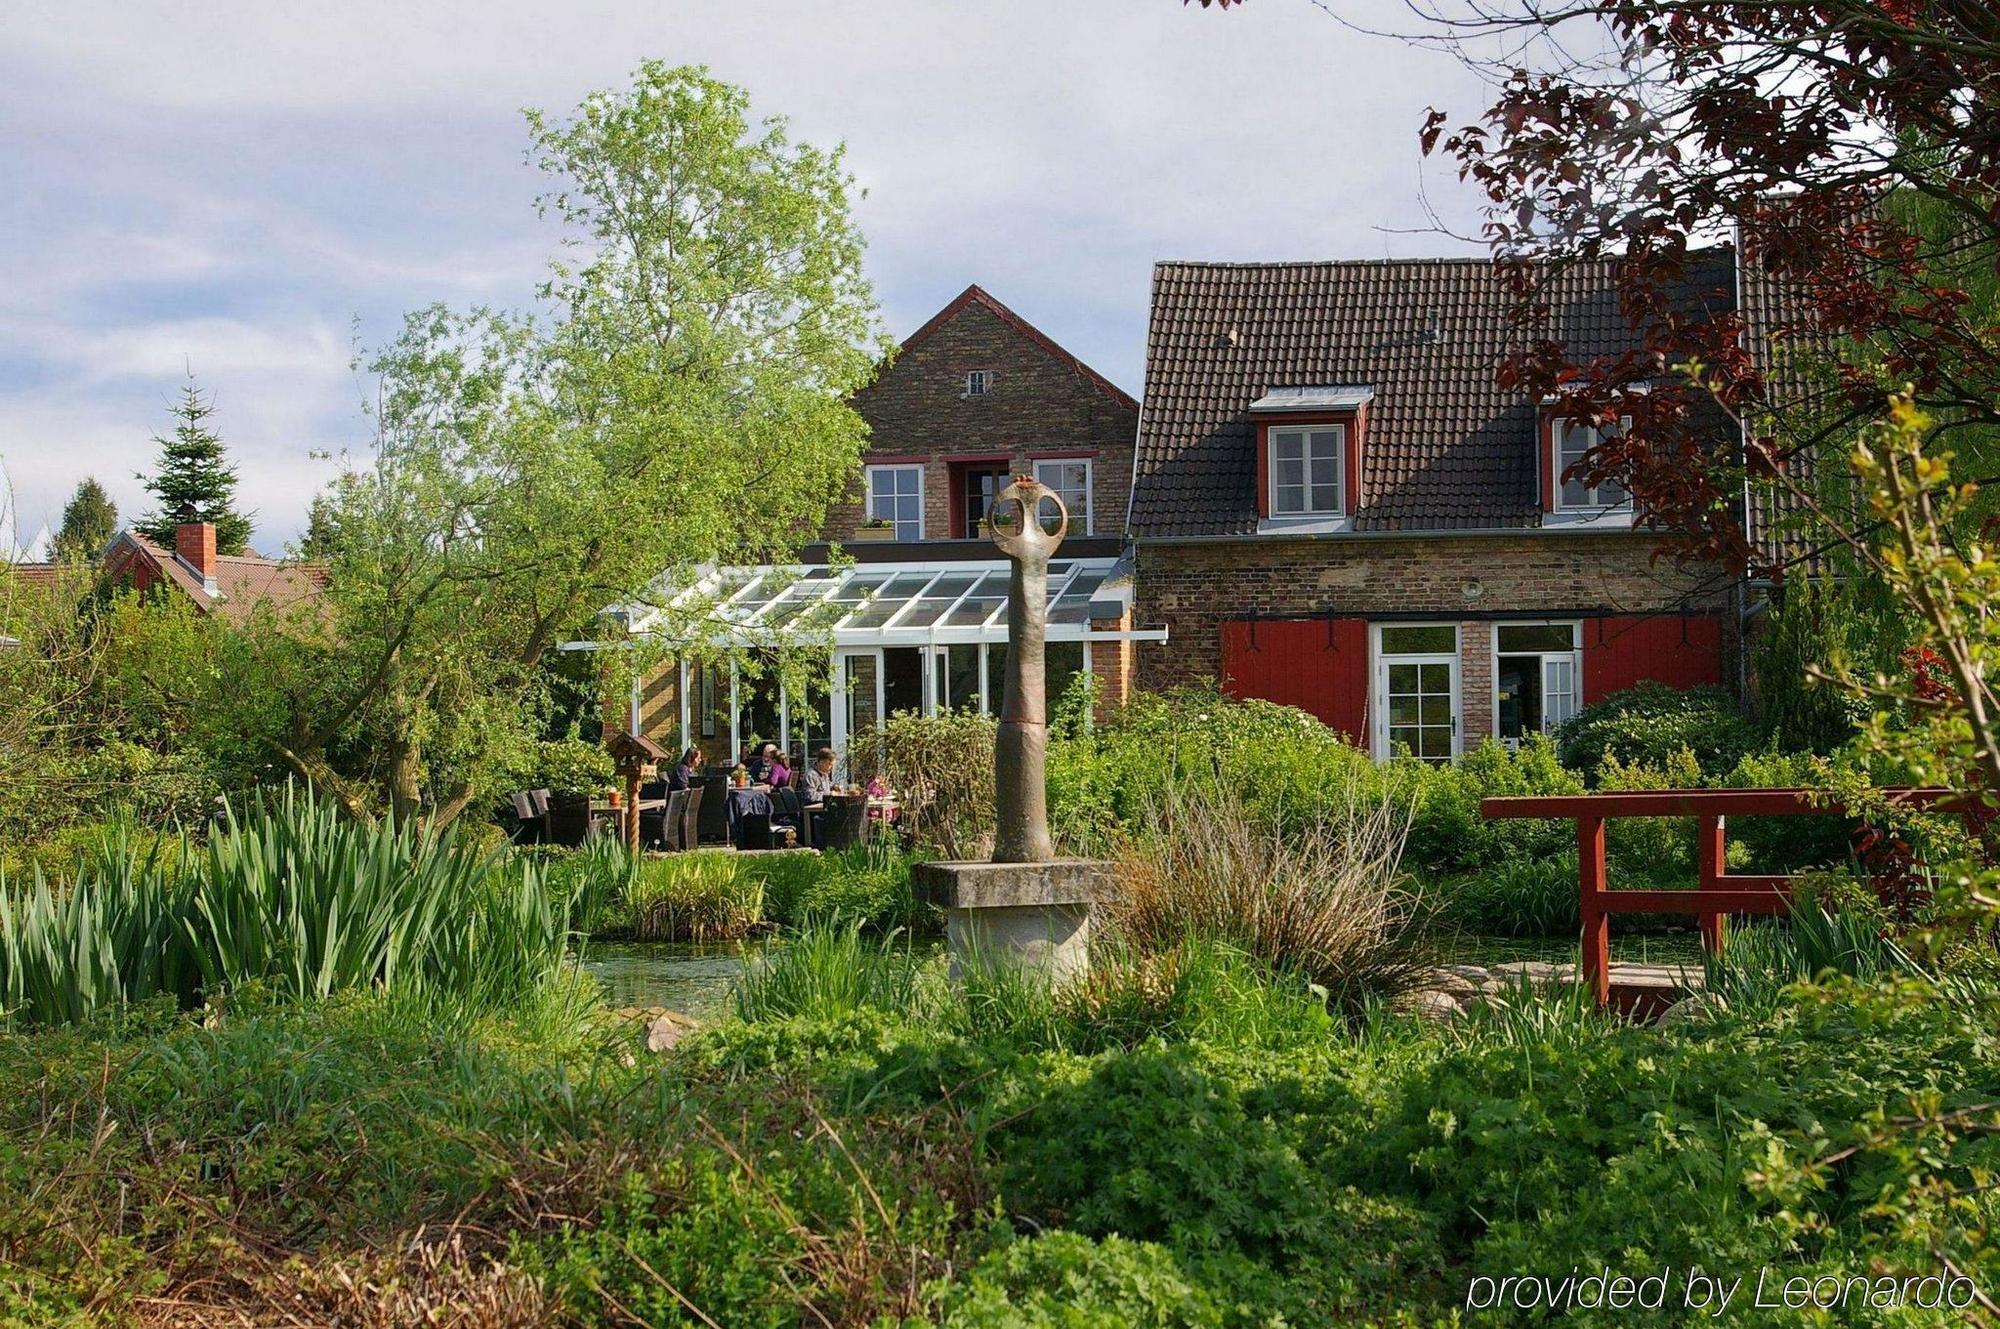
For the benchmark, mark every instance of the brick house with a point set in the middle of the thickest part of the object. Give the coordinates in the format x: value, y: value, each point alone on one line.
x: 974, y: 396
x: 1335, y: 507
x: 228, y: 586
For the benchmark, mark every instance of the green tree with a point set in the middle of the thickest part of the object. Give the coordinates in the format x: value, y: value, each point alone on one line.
x: 193, y: 480
x: 321, y: 529
x: 678, y: 399
x: 89, y: 521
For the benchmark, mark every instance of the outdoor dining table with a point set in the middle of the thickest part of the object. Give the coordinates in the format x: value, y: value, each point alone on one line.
x: 601, y: 811
x: 746, y: 801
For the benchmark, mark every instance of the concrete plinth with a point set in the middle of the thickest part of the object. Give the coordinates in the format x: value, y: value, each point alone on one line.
x: 1036, y: 915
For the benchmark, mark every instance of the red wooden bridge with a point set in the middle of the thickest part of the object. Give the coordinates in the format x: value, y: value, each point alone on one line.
x: 1717, y: 894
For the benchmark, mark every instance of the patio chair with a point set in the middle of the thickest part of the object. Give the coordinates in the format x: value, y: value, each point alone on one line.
x: 531, y: 824
x: 673, y: 821
x: 756, y: 831
x: 713, y: 826
x: 661, y: 827
x: 569, y: 819
x: 788, y: 810
x: 690, y: 829
x: 842, y: 824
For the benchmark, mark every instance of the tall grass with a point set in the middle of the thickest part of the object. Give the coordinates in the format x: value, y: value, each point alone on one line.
x: 1760, y: 960
x: 1327, y: 900
x: 289, y: 895
x: 828, y: 972
x: 1516, y: 897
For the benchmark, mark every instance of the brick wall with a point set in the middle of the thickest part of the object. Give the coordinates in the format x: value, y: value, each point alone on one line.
x: 1193, y: 589
x: 1035, y: 403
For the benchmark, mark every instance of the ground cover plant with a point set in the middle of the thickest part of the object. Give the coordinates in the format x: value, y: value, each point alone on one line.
x: 1194, y: 1140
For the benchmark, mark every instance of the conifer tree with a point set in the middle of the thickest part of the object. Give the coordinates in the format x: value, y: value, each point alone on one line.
x: 89, y: 520
x: 194, y: 480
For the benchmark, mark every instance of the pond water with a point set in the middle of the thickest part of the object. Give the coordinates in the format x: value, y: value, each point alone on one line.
x: 679, y: 976
x: 695, y: 979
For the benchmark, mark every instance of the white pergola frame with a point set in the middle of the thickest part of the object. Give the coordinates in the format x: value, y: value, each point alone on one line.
x: 802, y: 588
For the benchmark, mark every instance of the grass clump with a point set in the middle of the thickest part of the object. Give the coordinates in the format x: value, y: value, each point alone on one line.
x: 1327, y: 902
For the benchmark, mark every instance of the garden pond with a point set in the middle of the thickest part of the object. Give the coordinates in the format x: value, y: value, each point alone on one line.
x: 694, y: 979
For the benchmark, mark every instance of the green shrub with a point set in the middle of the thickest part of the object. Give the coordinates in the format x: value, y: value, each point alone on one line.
x: 941, y: 767
x: 568, y: 766
x: 868, y: 884
x: 1659, y: 850
x: 1649, y: 723
x: 1448, y: 834
x: 1175, y: 1144
x: 1786, y: 844
x: 1066, y: 1281
x: 1516, y: 897
x: 1288, y: 769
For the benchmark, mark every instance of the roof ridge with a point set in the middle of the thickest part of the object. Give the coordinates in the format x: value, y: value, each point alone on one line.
x: 1426, y: 261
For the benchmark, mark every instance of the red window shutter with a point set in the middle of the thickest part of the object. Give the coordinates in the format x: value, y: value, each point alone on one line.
x: 1263, y: 469
x: 1311, y: 663
x: 1680, y: 650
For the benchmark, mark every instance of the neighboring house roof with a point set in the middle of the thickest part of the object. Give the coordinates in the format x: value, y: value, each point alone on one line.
x: 1444, y: 449
x: 976, y: 294
x: 241, y: 582
x: 1778, y: 329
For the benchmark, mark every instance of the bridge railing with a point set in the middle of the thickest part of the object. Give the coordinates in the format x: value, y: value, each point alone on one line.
x: 1718, y: 892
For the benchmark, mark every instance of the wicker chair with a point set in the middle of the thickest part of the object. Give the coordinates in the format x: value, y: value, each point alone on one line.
x: 713, y: 825
x: 691, y: 816
x: 842, y: 824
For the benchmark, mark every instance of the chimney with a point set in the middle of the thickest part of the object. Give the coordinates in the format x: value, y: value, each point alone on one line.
x: 194, y: 545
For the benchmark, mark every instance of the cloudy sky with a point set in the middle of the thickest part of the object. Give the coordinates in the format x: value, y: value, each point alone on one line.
x: 255, y: 190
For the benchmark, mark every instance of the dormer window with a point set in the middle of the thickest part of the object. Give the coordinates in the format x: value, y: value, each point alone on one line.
x: 1569, y: 442
x: 977, y: 381
x: 1305, y: 468
x: 1309, y: 446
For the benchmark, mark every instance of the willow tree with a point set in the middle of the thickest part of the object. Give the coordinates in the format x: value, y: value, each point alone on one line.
x: 676, y: 397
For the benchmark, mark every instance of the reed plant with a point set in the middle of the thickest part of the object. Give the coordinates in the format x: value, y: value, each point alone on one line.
x: 829, y: 972
x: 693, y: 897
x: 289, y: 895
x: 1760, y: 960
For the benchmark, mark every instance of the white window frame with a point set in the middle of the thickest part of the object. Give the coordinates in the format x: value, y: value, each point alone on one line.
x: 1089, y: 489
x: 1271, y: 436
x: 1558, y: 427
x: 1378, y: 684
x: 978, y: 382
x: 868, y: 480
x: 1575, y: 625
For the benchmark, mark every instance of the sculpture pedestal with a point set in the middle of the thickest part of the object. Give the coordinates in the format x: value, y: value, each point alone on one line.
x: 1034, y: 915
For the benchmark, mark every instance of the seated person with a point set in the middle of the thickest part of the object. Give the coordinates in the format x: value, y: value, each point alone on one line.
x: 816, y: 780
x: 752, y: 762
x: 689, y: 770
x: 776, y: 773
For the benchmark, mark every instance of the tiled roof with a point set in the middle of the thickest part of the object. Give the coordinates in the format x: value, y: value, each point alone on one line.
x: 1445, y: 448
x: 242, y: 583
x: 1778, y: 331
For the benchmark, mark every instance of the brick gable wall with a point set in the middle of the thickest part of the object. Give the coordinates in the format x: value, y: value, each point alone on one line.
x: 1036, y: 403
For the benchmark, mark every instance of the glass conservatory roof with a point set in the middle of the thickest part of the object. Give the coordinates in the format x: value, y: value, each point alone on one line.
x: 873, y: 604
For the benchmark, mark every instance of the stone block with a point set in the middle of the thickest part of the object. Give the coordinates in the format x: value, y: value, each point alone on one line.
x: 1036, y: 915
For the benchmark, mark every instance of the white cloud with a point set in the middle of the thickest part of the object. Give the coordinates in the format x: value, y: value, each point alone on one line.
x: 231, y: 184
